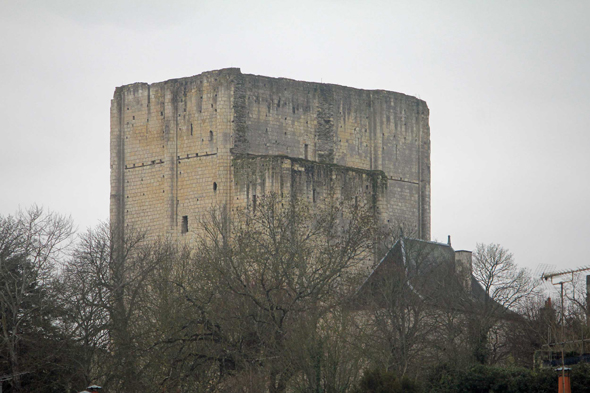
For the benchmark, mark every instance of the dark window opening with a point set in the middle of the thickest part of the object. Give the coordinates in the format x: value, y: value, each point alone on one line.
x: 214, y: 186
x: 184, y: 228
x: 253, y: 204
x: 306, y: 151
x: 210, y: 135
x: 191, y: 129
x: 313, y: 196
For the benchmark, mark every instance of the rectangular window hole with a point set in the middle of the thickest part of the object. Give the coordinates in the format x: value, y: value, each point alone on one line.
x: 184, y: 228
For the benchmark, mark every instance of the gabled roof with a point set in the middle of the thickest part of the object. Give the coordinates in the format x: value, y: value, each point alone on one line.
x: 427, y: 269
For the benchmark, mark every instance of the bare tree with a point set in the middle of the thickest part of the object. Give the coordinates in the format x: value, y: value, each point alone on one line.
x: 108, y: 278
x: 506, y: 289
x: 267, y: 278
x: 403, y: 305
x: 505, y: 284
x: 84, y: 299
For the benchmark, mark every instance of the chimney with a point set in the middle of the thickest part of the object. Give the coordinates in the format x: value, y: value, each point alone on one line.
x: 463, y: 268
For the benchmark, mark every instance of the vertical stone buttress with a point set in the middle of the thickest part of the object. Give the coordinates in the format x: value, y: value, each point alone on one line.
x: 117, y: 143
x: 424, y: 162
x: 324, y: 131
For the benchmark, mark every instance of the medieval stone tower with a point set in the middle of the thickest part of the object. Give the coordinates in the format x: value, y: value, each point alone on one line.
x: 222, y: 138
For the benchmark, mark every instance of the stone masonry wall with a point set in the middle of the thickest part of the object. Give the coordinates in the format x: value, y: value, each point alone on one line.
x: 170, y: 151
x: 300, y: 178
x: 181, y: 147
x: 364, y: 129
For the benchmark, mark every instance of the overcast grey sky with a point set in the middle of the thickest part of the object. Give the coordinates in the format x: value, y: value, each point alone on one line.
x: 507, y: 84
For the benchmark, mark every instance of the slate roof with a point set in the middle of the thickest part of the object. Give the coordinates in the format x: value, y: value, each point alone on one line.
x: 427, y: 268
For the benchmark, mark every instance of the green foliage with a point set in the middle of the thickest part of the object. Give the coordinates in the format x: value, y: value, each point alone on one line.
x: 581, y: 378
x: 35, y: 353
x: 382, y: 381
x: 488, y: 379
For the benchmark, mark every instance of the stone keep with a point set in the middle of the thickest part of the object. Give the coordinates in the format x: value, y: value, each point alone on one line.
x: 222, y: 138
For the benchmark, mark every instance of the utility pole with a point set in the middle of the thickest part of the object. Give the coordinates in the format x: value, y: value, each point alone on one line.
x: 562, y: 340
x: 551, y: 276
